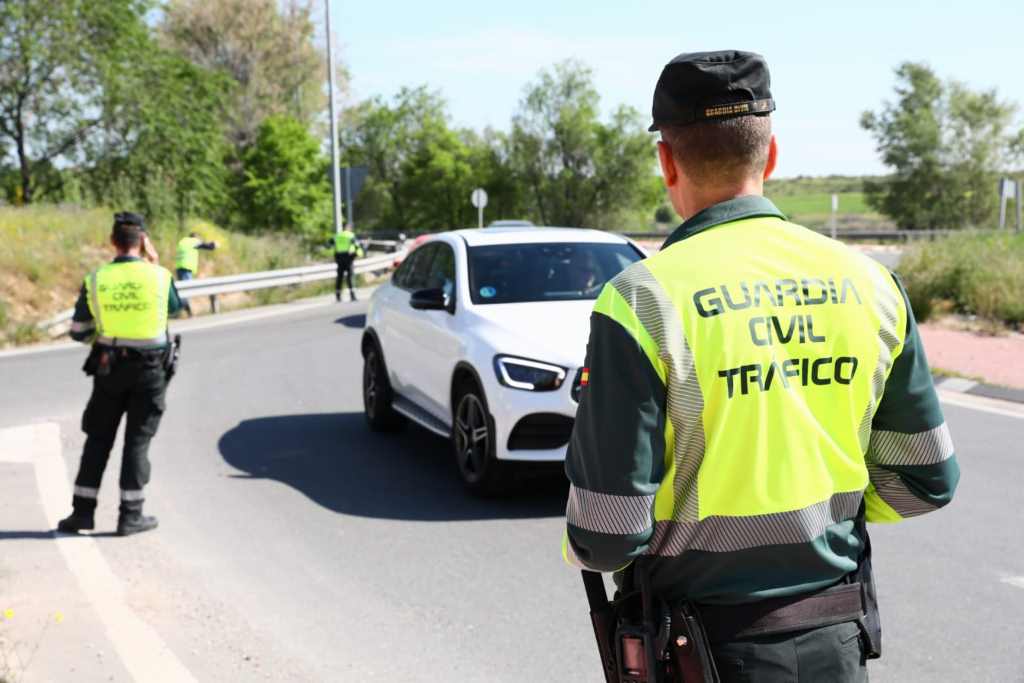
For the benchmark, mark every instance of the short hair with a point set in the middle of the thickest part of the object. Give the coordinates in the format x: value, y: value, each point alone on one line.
x: 721, y: 152
x: 127, y: 235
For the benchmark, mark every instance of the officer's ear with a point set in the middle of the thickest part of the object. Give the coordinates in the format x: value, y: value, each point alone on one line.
x: 773, y: 157
x: 669, y: 171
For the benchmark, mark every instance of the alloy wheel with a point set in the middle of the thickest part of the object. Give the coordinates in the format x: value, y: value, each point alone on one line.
x: 472, y: 436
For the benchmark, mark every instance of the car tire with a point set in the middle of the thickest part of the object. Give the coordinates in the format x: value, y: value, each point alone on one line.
x: 377, y: 393
x: 473, y: 443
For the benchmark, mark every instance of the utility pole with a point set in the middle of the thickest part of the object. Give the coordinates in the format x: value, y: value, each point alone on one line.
x: 335, y: 179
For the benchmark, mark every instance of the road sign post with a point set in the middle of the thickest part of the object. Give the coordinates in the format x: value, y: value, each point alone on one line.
x: 1020, y: 199
x: 1008, y: 189
x: 479, y: 200
x: 835, y: 208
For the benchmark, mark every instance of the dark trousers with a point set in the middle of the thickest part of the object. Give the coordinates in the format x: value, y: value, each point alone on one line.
x: 182, y: 274
x: 830, y: 653
x: 344, y: 262
x: 136, y: 387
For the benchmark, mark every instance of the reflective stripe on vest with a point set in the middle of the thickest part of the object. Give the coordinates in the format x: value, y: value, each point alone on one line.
x: 187, y: 255
x: 345, y: 242
x: 128, y: 301
x: 773, y: 369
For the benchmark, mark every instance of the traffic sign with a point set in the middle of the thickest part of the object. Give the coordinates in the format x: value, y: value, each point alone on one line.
x: 479, y: 200
x: 479, y: 197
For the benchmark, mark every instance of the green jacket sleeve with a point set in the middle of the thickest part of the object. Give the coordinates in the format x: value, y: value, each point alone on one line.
x: 615, y: 459
x: 911, y: 462
x: 83, y: 327
x: 173, y: 300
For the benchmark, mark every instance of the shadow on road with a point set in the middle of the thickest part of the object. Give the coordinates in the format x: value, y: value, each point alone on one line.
x: 356, y: 321
x: 335, y: 460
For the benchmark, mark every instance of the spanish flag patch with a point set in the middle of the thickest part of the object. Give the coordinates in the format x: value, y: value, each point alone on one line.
x: 585, y: 377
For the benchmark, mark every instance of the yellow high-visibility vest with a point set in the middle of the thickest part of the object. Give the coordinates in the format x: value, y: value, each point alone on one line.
x: 186, y: 256
x: 128, y: 301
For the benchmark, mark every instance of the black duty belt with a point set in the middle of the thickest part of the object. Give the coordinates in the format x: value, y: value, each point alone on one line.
x: 833, y: 605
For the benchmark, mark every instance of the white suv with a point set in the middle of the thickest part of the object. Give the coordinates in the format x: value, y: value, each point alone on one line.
x: 480, y: 337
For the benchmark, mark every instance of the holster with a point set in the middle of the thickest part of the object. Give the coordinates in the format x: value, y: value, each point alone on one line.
x: 692, y: 661
x: 871, y: 623
x: 172, y: 356
x: 99, y: 362
x: 640, y: 640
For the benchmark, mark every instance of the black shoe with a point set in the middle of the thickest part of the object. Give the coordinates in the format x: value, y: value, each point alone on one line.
x: 337, y: 296
x: 353, y: 295
x: 75, y: 522
x: 134, y: 523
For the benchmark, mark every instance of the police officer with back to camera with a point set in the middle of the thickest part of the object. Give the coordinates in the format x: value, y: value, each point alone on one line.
x: 122, y: 311
x: 186, y: 261
x: 753, y: 394
x: 346, y: 250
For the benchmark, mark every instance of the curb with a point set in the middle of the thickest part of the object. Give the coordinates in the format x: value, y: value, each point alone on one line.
x: 969, y: 386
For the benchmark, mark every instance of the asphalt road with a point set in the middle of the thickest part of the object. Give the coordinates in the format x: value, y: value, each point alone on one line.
x: 296, y: 545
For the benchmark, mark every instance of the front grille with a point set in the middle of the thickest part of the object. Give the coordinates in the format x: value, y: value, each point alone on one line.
x: 540, y: 431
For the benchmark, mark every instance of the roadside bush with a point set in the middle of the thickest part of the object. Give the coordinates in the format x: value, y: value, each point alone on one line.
x: 980, y: 273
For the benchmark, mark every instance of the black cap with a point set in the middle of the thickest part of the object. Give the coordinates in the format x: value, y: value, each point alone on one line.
x: 706, y: 86
x: 129, y: 218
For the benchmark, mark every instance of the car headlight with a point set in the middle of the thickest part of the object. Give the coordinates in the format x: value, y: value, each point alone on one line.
x: 528, y: 375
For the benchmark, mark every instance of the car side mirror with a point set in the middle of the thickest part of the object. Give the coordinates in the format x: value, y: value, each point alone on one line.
x: 429, y: 300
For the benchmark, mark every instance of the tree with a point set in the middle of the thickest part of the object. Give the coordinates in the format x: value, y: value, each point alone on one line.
x: 164, y: 140
x: 396, y: 141
x: 284, y: 185
x: 946, y: 145
x: 577, y: 170
x: 265, y: 46
x: 56, y: 60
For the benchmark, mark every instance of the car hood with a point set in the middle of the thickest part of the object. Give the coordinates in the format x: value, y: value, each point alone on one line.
x: 552, y: 331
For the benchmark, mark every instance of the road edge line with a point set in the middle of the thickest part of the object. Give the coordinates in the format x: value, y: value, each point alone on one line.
x: 140, y: 648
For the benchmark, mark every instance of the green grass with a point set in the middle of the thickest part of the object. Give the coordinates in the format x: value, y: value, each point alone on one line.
x: 46, y: 251
x: 820, y: 204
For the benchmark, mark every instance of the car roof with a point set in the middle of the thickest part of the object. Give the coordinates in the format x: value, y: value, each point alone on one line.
x: 527, y: 235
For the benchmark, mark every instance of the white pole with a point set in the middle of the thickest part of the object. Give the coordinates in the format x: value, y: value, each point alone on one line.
x: 835, y: 208
x: 335, y: 180
x: 1020, y: 198
x: 480, y: 216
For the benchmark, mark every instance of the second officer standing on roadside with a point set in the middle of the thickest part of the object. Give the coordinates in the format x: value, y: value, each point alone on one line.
x: 755, y: 392
x: 122, y: 311
x: 186, y: 261
x: 346, y: 250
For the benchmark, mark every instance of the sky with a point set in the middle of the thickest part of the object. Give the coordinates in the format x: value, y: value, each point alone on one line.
x: 829, y: 61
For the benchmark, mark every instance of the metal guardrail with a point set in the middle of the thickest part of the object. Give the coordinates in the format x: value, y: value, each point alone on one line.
x: 247, y: 282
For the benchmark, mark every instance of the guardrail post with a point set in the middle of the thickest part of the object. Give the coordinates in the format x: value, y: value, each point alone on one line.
x: 213, y: 304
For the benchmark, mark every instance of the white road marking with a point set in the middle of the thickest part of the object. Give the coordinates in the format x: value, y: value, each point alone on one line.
x: 1017, y: 581
x: 982, y: 403
x: 144, y: 654
x: 958, y: 384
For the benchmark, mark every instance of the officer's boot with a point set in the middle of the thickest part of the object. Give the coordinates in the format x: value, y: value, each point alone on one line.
x: 133, y: 522
x: 78, y: 520
x: 352, y: 293
x: 83, y: 508
x: 337, y: 295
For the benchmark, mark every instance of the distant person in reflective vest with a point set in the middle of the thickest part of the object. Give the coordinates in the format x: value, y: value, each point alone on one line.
x: 186, y: 261
x: 122, y: 311
x: 346, y: 250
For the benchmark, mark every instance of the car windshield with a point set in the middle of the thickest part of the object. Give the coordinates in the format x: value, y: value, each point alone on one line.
x: 518, y: 273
